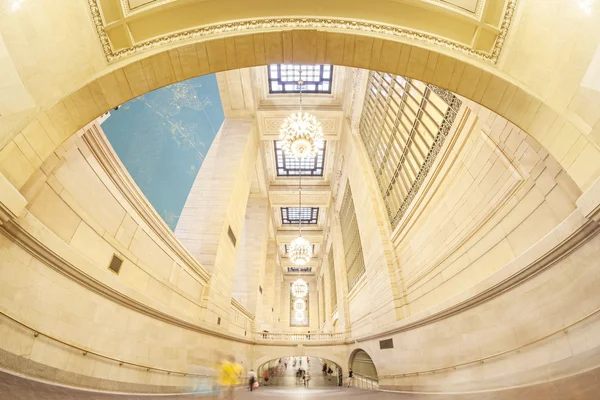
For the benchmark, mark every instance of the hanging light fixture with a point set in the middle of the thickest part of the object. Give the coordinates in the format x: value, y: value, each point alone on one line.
x: 299, y: 289
x: 300, y: 133
x: 299, y: 316
x: 300, y: 249
x: 299, y: 305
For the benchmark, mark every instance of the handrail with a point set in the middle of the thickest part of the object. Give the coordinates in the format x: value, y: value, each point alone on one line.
x: 365, y: 381
x: 37, y: 332
x: 299, y: 336
x: 501, y: 353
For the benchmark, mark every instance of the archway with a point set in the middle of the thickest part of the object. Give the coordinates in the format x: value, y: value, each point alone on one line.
x: 291, y: 370
x: 467, y: 78
x: 363, y: 366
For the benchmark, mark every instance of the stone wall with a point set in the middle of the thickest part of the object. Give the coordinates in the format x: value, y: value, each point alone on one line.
x: 54, y: 269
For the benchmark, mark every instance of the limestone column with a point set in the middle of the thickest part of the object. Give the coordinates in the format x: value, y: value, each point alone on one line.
x: 277, y: 295
x: 212, y: 219
x: 267, y: 316
x: 341, y: 279
x: 251, y: 257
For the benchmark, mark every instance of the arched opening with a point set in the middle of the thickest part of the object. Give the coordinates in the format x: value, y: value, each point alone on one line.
x: 292, y: 371
x: 364, y: 370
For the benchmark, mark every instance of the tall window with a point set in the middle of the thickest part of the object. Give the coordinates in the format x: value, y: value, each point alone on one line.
x: 293, y: 215
x: 355, y: 262
x: 283, y: 78
x: 294, y: 321
x: 332, y: 283
x: 403, y: 126
x: 291, y: 166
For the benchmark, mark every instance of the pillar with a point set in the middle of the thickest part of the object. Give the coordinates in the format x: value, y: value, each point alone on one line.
x: 212, y: 218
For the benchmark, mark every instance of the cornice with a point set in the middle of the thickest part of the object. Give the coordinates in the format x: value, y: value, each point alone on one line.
x: 14, y: 231
x: 116, y: 171
x: 238, y: 306
x: 586, y: 231
x: 283, y: 23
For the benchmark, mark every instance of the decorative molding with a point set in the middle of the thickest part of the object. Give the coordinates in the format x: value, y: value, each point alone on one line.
x: 586, y: 231
x: 282, y: 23
x: 19, y: 235
x: 116, y: 171
x: 127, y: 10
x: 243, y: 310
x: 271, y: 125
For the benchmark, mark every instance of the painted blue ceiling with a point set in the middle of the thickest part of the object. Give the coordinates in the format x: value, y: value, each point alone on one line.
x: 162, y: 138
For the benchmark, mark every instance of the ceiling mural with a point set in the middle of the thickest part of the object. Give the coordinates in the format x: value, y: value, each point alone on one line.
x: 162, y: 138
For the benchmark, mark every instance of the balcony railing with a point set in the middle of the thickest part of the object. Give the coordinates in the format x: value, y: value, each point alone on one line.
x: 364, y: 382
x: 299, y: 337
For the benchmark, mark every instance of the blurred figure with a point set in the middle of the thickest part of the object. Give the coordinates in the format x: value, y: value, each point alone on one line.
x: 324, y: 368
x: 350, y: 377
x: 230, y: 374
x: 266, y: 377
x: 251, y: 379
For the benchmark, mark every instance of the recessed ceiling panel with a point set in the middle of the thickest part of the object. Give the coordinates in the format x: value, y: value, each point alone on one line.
x: 138, y: 3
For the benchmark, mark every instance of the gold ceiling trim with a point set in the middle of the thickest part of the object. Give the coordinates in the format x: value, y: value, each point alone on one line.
x: 264, y: 24
x: 456, y: 8
x: 127, y: 10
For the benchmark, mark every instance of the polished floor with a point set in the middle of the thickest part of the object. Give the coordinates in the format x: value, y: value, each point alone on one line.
x: 583, y: 387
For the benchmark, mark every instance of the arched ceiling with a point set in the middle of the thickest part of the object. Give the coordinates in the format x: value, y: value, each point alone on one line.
x: 475, y: 27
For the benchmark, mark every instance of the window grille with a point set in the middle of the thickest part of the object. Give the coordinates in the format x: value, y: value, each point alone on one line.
x: 403, y: 127
x: 293, y: 215
x: 283, y: 78
x: 291, y: 166
x: 355, y: 262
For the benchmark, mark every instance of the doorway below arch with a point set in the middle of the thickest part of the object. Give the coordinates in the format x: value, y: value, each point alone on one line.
x: 364, y: 370
x: 292, y: 371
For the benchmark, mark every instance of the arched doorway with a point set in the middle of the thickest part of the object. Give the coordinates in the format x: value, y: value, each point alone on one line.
x: 290, y: 371
x: 364, y: 370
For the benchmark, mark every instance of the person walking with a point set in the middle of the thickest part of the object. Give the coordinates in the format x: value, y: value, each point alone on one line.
x: 324, y: 368
x: 350, y: 377
x: 340, y: 377
x: 303, y: 377
x: 251, y: 379
x: 266, y: 377
x: 307, y: 378
x: 230, y: 374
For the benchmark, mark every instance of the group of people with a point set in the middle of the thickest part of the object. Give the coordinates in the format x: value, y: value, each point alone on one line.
x: 302, y: 377
x: 230, y: 375
x: 327, y: 371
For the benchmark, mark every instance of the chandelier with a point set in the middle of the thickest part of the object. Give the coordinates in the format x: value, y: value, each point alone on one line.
x: 299, y: 316
x: 300, y: 251
x: 299, y: 289
x: 299, y: 305
x: 301, y: 133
